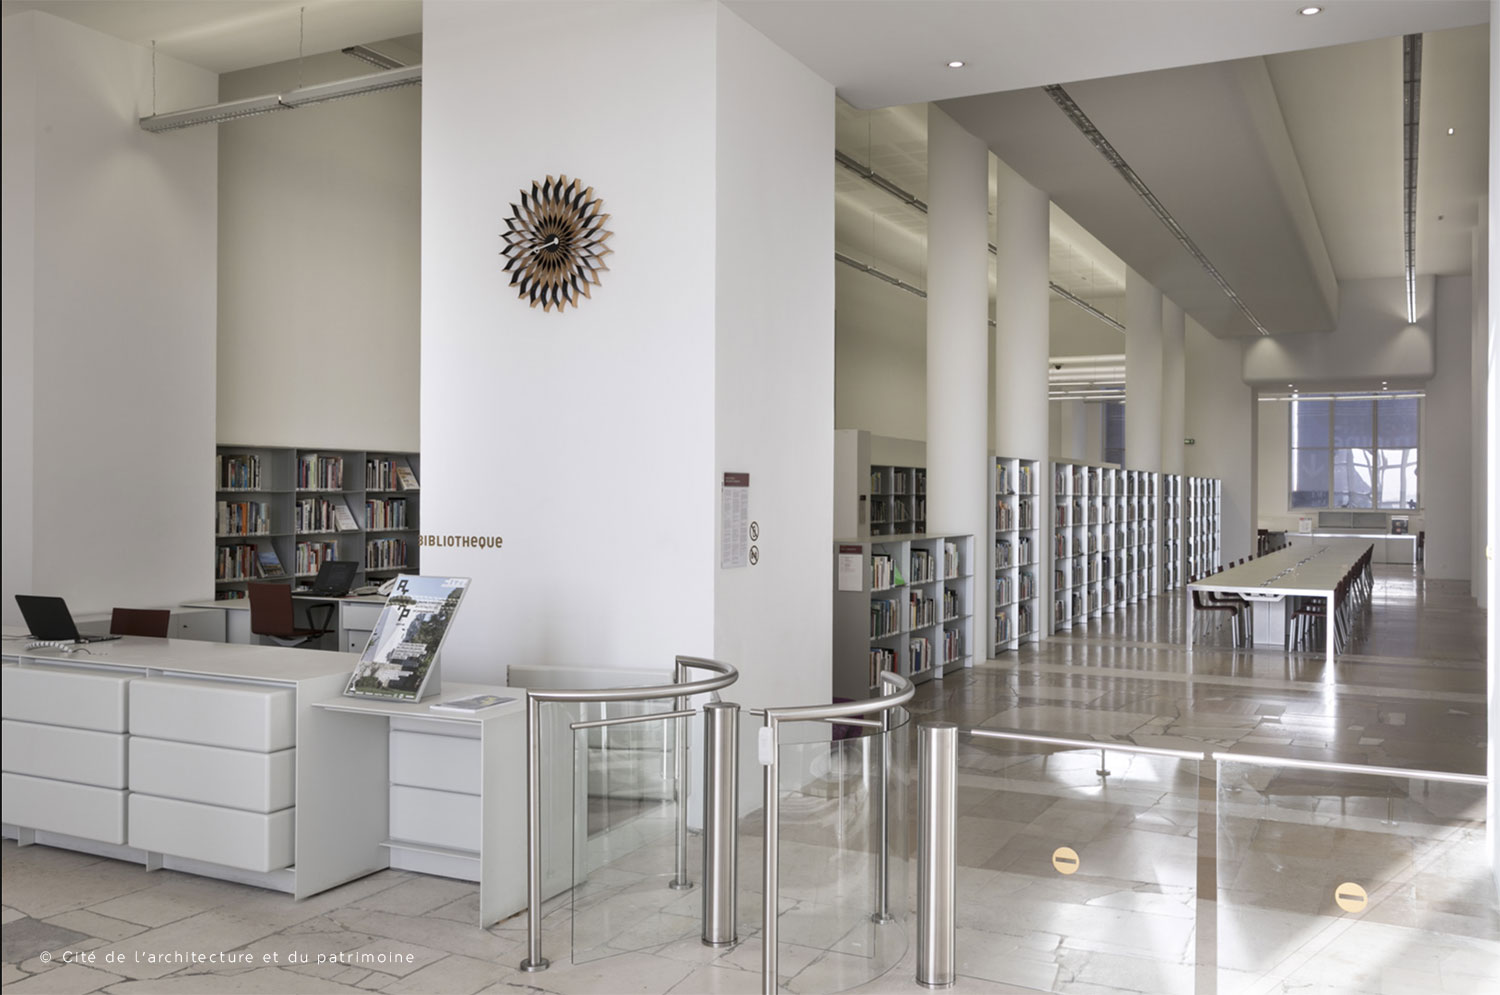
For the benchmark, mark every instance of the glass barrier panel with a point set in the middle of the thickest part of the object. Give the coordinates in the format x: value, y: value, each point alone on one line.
x: 838, y: 926
x: 625, y: 804
x: 1077, y: 868
x: 1334, y: 881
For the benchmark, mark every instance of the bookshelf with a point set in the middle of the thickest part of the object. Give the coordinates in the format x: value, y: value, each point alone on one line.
x: 880, y: 485
x: 902, y: 603
x: 1016, y: 543
x: 304, y: 506
x: 1202, y: 524
x: 1171, y: 546
x: 1072, y: 531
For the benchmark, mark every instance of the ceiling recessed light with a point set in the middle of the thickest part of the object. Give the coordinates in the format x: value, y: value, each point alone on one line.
x: 956, y: 64
x: 1309, y: 11
x: 1450, y: 131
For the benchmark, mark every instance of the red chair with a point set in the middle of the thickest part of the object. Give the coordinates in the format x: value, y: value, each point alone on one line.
x: 156, y: 622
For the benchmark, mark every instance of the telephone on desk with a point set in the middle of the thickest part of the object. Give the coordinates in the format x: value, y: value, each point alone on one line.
x: 384, y: 590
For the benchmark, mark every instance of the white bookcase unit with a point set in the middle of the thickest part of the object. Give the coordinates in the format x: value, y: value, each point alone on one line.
x: 902, y: 603
x: 1075, y: 536
x: 1015, y: 549
x: 879, y: 485
x: 1171, y: 532
x: 1104, y: 541
x: 1202, y: 524
x: 305, y: 506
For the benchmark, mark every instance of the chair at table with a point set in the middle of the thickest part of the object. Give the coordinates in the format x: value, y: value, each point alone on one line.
x: 273, y: 615
x: 155, y: 622
x: 1236, y: 619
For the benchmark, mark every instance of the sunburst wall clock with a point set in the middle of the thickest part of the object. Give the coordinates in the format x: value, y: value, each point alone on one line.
x: 554, y: 243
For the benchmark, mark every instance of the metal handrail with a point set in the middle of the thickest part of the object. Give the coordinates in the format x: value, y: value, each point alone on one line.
x: 1084, y: 744
x: 1343, y: 768
x: 680, y: 691
x: 771, y: 811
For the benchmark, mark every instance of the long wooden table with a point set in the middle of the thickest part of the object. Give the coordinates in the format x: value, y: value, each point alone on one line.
x: 1302, y: 570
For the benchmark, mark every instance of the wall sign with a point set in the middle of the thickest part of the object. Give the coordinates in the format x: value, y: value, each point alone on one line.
x: 734, y: 522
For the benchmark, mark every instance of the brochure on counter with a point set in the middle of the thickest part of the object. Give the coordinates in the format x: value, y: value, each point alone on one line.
x: 398, y: 659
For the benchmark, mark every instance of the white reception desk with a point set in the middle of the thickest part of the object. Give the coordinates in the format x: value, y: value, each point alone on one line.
x: 246, y: 763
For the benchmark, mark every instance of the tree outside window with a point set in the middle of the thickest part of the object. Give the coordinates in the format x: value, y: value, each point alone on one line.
x: 1354, y: 452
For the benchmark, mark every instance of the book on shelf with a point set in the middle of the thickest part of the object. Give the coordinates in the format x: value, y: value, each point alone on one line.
x: 343, y: 518
x: 405, y: 479
x: 470, y: 705
x: 410, y: 631
x: 270, y: 563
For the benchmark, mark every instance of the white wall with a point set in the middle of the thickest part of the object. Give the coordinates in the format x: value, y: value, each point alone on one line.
x: 18, y: 166
x: 1445, y: 484
x: 118, y: 250
x: 319, y: 263
x: 1075, y: 332
x: 880, y: 357
x: 1372, y: 341
x: 584, y: 438
x: 1221, y: 416
x: 774, y: 364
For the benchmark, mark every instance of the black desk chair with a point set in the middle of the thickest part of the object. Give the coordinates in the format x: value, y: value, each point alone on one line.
x: 156, y: 622
x: 273, y: 615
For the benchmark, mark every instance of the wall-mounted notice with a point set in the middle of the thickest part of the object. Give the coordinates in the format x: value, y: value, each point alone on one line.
x: 851, y: 568
x: 734, y: 521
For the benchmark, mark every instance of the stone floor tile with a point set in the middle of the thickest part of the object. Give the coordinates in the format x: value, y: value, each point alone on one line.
x: 65, y: 979
x: 94, y: 924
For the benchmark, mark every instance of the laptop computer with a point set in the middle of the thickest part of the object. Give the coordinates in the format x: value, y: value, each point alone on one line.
x: 49, y: 620
x: 334, y: 579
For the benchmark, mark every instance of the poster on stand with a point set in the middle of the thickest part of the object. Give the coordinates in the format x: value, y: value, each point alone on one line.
x: 398, y: 659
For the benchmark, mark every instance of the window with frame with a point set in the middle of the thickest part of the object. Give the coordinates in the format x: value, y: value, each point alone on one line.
x: 1354, y: 452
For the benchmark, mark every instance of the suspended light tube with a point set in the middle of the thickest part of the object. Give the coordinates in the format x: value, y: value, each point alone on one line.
x: 317, y: 93
x: 1411, y: 99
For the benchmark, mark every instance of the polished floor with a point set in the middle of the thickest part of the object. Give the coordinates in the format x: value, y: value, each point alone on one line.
x: 1183, y: 873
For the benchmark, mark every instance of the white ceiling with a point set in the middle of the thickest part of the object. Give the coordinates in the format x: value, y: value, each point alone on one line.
x: 224, y: 36
x: 1334, y: 82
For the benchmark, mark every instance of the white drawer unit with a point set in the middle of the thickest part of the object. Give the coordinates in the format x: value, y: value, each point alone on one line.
x: 361, y: 614
x: 65, y: 696
x: 207, y: 625
x: 82, y: 756
x: 236, y: 716
x: 81, y: 810
x: 443, y: 762
x: 438, y: 818
x: 212, y: 775
x: 251, y: 841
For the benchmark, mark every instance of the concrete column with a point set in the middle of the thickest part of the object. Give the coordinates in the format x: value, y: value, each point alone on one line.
x: 1022, y: 319
x: 1478, y: 385
x: 1173, y: 387
x: 1143, y: 362
x: 958, y: 296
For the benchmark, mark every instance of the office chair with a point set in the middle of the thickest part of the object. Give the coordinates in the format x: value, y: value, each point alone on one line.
x: 155, y: 622
x: 272, y: 615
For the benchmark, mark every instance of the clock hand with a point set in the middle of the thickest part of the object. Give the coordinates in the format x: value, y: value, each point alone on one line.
x: 545, y: 245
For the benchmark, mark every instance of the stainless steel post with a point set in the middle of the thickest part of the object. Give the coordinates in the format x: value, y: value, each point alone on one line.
x: 937, y: 764
x: 680, y: 879
x: 882, y: 913
x: 534, y: 960
x: 721, y: 812
x: 770, y: 964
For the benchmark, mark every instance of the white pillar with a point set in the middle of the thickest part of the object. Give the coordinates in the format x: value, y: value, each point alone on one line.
x: 1142, y: 373
x: 1022, y: 320
x: 1173, y: 387
x: 1478, y: 384
x: 958, y: 298
x: 1492, y: 437
x: 1074, y: 442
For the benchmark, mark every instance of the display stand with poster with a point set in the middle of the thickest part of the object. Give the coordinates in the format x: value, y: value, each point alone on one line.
x: 400, y: 660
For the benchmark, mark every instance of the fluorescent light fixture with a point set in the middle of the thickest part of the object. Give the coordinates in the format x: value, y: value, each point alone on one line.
x: 1411, y: 59
x: 389, y: 79
x: 233, y: 110
x: 374, y: 58
x: 213, y: 113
